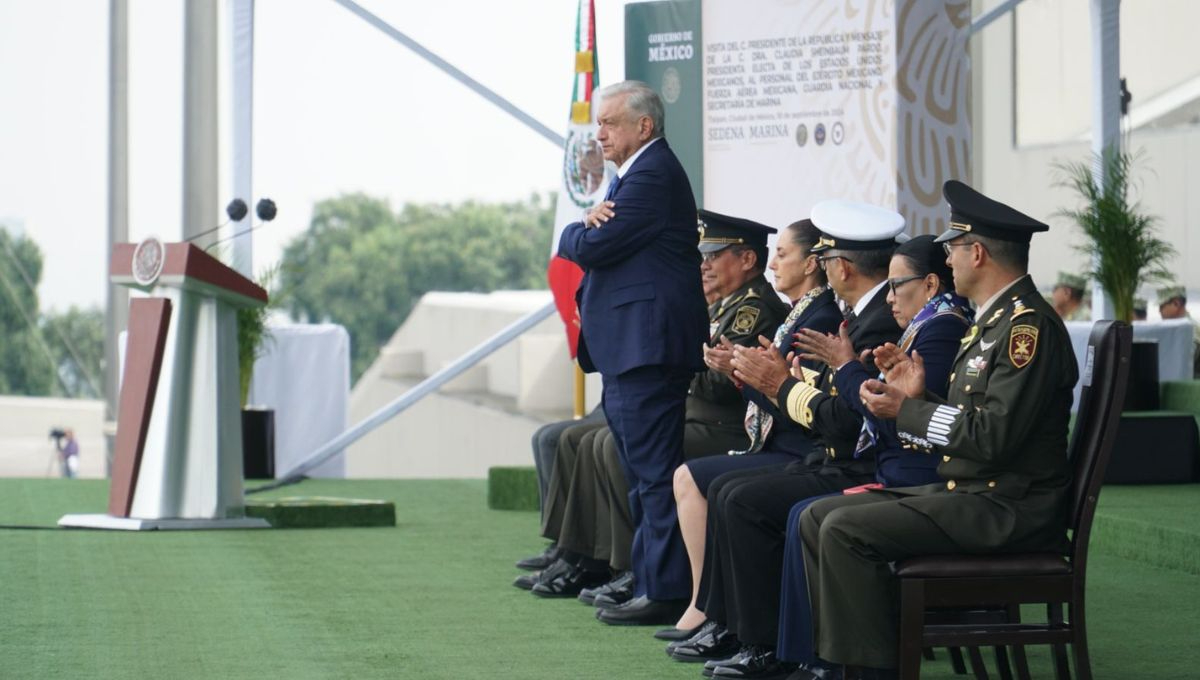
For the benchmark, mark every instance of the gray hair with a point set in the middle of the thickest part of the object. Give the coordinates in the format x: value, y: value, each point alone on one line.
x: 642, y: 100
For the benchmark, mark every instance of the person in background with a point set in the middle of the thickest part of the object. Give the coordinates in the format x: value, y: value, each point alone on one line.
x: 1172, y: 304
x: 68, y: 452
x: 1067, y: 297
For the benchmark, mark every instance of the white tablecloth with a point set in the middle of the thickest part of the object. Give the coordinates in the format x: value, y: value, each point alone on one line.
x: 1174, y: 338
x: 304, y: 375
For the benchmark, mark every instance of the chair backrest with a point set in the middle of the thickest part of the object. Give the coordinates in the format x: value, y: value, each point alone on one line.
x: 1104, y: 378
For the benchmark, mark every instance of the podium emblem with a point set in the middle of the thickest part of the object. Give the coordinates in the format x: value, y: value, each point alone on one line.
x: 148, y: 261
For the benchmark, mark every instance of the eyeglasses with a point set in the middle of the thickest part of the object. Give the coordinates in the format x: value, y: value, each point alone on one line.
x: 822, y: 259
x: 946, y: 246
x: 893, y: 284
x: 709, y: 257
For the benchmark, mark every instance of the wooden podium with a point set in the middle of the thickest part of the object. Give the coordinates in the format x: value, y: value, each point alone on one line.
x: 178, y: 456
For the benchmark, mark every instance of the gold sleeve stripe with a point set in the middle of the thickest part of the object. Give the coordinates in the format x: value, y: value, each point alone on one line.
x: 810, y: 376
x: 798, y: 401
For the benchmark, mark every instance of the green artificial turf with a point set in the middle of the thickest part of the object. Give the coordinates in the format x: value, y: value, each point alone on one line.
x: 428, y: 598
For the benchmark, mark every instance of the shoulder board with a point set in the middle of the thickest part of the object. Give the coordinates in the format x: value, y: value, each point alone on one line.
x: 751, y: 294
x: 1020, y: 312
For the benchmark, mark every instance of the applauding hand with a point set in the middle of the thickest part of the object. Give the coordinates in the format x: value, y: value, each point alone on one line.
x: 832, y: 350
x: 760, y: 367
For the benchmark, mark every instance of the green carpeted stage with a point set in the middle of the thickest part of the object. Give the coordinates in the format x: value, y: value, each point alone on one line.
x: 430, y: 598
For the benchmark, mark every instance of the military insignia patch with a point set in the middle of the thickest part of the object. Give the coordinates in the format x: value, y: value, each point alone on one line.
x: 1022, y: 345
x: 743, y: 323
x: 975, y: 365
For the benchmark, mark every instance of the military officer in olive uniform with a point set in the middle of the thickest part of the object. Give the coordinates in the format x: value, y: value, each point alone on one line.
x: 1001, y: 435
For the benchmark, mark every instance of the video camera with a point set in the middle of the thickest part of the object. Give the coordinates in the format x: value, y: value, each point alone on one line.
x: 57, y: 433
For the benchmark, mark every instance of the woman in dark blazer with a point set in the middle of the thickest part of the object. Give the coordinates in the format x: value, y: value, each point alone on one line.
x: 934, y: 320
x: 774, y: 438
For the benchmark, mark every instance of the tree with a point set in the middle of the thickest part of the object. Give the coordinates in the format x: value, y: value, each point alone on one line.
x: 76, y: 338
x: 364, y: 267
x: 25, y: 365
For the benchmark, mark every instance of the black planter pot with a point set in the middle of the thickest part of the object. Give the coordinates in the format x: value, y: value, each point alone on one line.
x: 258, y: 443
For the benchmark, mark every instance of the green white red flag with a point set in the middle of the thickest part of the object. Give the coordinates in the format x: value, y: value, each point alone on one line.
x: 584, y: 177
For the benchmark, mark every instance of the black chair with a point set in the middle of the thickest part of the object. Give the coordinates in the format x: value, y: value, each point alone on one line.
x: 974, y: 600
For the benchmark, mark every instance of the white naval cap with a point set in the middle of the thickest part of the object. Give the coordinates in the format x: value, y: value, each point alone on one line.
x: 851, y: 225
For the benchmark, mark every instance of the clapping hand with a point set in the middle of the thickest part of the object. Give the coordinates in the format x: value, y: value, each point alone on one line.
x: 832, y: 350
x: 718, y: 358
x: 760, y: 367
x: 899, y: 369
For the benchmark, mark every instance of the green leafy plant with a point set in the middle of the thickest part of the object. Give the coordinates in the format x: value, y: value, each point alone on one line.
x: 252, y: 334
x: 1122, y: 245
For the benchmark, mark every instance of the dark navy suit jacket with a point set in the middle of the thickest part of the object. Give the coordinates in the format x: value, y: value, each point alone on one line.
x: 823, y: 316
x: 937, y: 341
x: 640, y: 302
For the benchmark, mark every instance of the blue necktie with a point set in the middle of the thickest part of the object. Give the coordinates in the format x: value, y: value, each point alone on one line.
x: 612, y: 187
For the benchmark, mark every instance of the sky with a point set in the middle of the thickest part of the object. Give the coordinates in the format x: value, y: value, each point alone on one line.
x: 339, y: 107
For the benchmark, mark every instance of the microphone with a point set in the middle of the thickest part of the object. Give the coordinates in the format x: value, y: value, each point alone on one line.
x: 265, y: 209
x: 236, y: 210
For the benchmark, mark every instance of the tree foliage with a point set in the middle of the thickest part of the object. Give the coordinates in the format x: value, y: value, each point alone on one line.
x: 364, y: 266
x: 1121, y: 244
x: 76, y: 339
x: 25, y: 366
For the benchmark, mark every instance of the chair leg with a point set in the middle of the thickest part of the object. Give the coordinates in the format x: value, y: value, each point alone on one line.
x: 1018, y: 651
x: 1002, y: 666
x: 1079, y: 646
x: 1062, y: 670
x: 928, y: 654
x: 956, y: 661
x: 912, y: 627
x: 977, y: 666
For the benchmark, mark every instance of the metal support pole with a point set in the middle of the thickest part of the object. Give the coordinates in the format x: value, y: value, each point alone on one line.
x: 241, y: 72
x: 1106, y: 107
x: 991, y: 15
x: 200, y: 119
x: 116, y: 307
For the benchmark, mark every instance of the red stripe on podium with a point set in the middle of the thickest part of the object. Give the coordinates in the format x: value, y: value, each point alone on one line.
x: 149, y: 319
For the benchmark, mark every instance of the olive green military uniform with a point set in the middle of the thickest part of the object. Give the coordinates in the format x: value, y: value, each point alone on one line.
x: 1002, y: 437
x: 716, y: 409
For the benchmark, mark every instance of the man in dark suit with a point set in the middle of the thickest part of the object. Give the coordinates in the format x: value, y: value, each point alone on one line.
x: 643, y: 323
x: 1000, y: 434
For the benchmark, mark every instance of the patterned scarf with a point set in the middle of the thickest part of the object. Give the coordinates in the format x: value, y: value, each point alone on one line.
x: 759, y: 422
x: 946, y: 303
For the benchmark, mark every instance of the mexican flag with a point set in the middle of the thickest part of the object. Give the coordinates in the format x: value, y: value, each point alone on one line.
x: 584, y: 178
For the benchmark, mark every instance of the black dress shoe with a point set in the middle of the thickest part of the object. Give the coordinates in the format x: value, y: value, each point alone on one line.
x: 754, y: 662
x: 621, y: 586
x: 527, y: 581
x: 540, y: 562
x: 677, y: 634
x: 616, y: 596
x: 713, y: 641
x: 642, y: 611
x: 714, y: 664
x: 568, y: 584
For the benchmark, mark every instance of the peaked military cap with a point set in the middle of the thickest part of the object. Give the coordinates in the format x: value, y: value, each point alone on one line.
x: 1070, y: 280
x: 718, y: 232
x: 973, y: 213
x: 1169, y: 293
x: 850, y: 225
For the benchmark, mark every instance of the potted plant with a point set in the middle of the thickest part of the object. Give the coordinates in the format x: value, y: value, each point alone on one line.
x: 1121, y: 241
x: 258, y: 424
